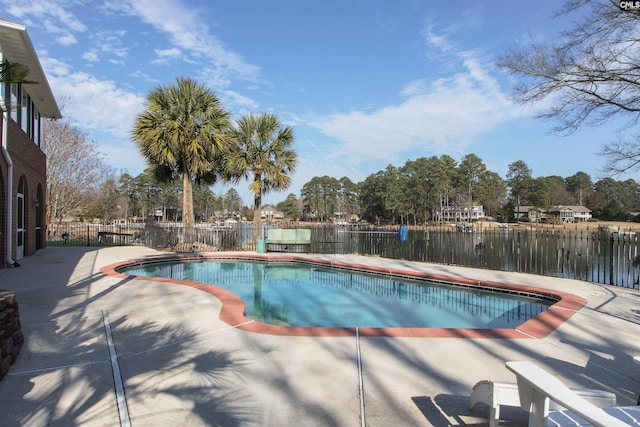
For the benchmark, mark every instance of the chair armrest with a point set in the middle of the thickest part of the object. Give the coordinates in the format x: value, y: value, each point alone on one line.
x: 536, y: 386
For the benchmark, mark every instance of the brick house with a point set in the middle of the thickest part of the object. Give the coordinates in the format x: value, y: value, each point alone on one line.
x: 22, y: 161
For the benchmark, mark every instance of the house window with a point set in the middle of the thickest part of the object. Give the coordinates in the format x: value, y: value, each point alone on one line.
x: 37, y: 129
x: 13, y: 102
x: 25, y: 103
x: 4, y: 87
x: 23, y: 111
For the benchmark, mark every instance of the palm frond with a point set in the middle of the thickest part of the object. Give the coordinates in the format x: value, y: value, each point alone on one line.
x: 14, y: 72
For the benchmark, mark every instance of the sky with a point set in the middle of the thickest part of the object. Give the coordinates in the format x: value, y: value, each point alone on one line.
x: 363, y: 83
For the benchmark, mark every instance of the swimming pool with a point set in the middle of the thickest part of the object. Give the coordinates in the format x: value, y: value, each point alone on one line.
x: 295, y: 294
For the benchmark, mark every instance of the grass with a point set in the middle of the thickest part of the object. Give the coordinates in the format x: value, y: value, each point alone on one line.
x: 81, y: 242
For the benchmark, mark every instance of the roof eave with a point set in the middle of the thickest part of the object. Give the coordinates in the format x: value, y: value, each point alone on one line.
x: 16, y: 46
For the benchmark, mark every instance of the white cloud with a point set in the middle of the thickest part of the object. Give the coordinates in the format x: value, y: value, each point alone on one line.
x: 166, y: 55
x: 445, y: 116
x: 238, y: 100
x: 91, y: 55
x: 54, y: 17
x: 53, y: 66
x: 98, y: 105
x: 185, y: 29
x: 120, y: 53
x: 109, y: 44
x: 103, y: 109
x: 415, y: 87
x: 438, y: 41
x: 67, y: 39
x: 144, y: 76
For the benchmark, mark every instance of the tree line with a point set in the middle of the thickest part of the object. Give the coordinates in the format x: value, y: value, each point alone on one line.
x: 414, y: 192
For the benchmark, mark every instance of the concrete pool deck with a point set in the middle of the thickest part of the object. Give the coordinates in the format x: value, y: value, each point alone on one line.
x: 181, y: 365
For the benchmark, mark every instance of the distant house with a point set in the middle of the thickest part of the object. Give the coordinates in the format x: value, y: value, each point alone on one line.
x: 460, y: 213
x: 581, y: 213
x: 269, y: 212
x: 530, y: 213
x: 569, y: 214
x: 22, y: 162
x: 344, y: 218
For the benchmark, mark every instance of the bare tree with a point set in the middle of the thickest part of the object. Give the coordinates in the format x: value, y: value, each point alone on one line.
x: 74, y: 167
x: 623, y: 155
x: 590, y: 75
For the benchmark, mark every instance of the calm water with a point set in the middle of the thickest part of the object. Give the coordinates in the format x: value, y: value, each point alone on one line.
x: 299, y: 295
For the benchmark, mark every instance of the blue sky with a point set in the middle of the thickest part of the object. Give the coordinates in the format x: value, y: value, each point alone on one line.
x: 364, y: 83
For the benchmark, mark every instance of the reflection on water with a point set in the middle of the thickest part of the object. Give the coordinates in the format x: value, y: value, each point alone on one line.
x: 295, y: 295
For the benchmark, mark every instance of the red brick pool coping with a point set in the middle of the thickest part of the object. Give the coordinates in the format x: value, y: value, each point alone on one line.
x: 232, y: 311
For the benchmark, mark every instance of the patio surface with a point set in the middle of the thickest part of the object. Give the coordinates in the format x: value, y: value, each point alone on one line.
x: 181, y: 365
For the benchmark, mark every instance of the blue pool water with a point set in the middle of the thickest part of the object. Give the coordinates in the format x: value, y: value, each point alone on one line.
x: 302, y: 295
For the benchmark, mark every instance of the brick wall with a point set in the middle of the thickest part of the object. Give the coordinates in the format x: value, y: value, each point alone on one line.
x: 11, y: 338
x: 29, y: 163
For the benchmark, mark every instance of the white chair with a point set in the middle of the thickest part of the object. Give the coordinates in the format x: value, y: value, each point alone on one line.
x: 536, y: 387
x: 497, y: 394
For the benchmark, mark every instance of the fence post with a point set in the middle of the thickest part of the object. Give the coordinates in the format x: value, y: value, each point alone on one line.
x: 610, y: 259
x: 518, y: 269
x: 88, y: 242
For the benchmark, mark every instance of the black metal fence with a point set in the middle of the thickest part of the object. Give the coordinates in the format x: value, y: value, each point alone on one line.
x: 596, y: 255
x: 161, y: 236
x: 88, y: 234
x: 600, y: 255
x: 167, y: 236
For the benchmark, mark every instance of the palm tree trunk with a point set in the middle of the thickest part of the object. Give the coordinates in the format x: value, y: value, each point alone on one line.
x: 187, y: 207
x: 257, y: 216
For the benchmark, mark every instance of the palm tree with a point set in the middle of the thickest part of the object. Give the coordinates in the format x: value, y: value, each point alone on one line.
x: 261, y: 151
x: 14, y: 72
x: 182, y: 133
